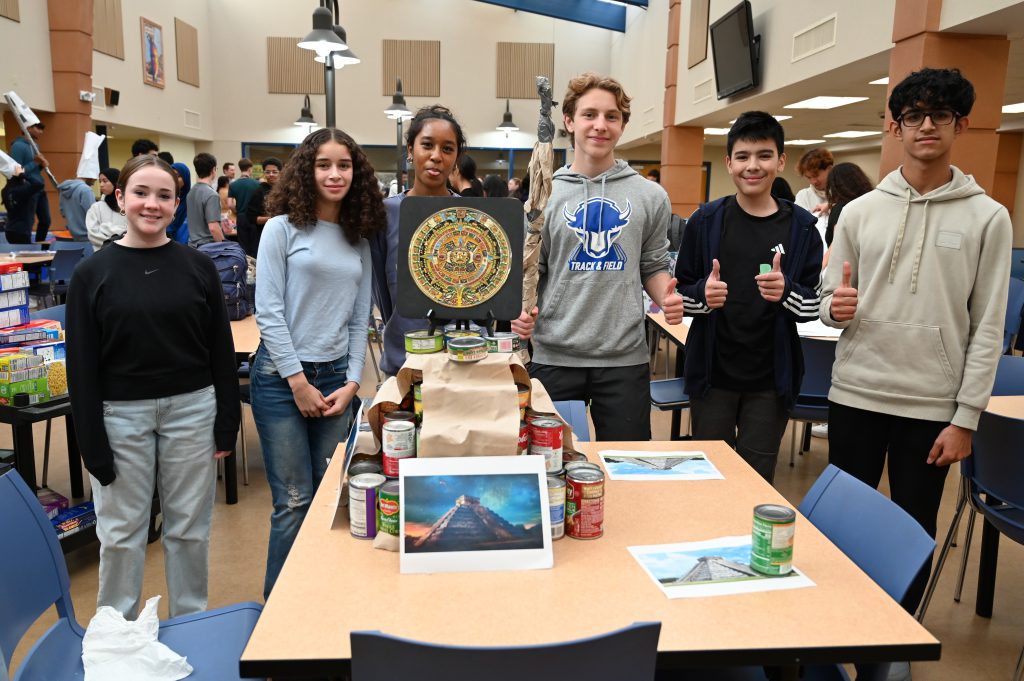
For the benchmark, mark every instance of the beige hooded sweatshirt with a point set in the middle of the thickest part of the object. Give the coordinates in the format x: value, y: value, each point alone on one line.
x: 932, y: 274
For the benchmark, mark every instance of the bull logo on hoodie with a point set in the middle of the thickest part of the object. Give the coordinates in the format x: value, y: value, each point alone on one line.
x: 597, y: 223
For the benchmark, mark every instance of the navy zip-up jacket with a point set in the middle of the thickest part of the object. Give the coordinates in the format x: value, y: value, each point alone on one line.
x: 801, y: 268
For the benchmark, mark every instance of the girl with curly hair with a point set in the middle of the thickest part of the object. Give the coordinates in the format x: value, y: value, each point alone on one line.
x: 312, y: 305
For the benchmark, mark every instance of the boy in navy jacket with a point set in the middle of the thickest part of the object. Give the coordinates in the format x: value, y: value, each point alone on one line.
x: 749, y: 269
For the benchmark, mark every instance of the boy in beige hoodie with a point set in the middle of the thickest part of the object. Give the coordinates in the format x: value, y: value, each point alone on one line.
x: 918, y: 282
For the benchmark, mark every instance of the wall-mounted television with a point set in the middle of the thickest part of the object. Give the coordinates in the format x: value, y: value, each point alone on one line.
x: 735, y: 51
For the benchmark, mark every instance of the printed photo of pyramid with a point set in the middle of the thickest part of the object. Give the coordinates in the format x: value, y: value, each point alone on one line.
x: 473, y: 513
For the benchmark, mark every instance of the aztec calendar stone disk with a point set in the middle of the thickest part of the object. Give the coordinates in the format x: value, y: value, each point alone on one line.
x: 459, y: 257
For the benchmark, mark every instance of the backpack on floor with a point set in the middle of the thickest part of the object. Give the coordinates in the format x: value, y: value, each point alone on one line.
x: 229, y: 259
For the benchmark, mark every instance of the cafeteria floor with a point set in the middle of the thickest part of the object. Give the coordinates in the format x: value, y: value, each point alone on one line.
x: 973, y: 648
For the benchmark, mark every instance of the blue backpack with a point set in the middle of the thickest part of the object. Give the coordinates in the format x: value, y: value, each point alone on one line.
x: 229, y: 259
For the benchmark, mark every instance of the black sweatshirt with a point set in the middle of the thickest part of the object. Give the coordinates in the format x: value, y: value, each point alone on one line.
x: 145, y: 323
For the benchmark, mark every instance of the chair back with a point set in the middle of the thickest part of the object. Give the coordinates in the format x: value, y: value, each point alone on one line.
x: 574, y: 412
x: 1009, y: 376
x: 876, y: 534
x: 65, y: 261
x: 819, y: 356
x: 6, y: 247
x: 86, y: 246
x: 1017, y: 264
x: 629, y: 653
x: 996, y: 466
x: 33, y: 575
x: 57, y: 313
x: 1014, y: 308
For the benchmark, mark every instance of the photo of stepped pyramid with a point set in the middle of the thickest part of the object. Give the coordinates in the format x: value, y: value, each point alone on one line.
x: 473, y: 513
x: 659, y: 466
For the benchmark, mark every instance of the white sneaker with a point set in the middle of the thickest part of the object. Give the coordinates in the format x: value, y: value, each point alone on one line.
x: 899, y: 671
x: 820, y: 430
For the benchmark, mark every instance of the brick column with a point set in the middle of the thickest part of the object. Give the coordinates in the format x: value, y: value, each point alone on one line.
x: 982, y: 59
x: 682, y: 148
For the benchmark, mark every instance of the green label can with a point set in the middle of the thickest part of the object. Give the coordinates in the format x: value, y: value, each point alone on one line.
x: 771, y: 543
x: 388, y: 500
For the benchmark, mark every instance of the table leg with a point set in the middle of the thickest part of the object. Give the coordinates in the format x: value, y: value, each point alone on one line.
x: 74, y: 459
x: 231, y: 479
x: 25, y: 454
x: 987, y: 569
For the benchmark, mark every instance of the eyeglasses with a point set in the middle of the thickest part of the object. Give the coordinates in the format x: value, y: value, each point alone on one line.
x: 915, y: 117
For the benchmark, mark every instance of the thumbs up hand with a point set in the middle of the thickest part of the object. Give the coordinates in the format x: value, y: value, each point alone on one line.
x: 773, y: 284
x: 844, y: 298
x: 672, y: 303
x: 715, y: 290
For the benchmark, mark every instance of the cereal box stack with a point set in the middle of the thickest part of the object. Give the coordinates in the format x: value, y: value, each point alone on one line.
x: 32, y: 366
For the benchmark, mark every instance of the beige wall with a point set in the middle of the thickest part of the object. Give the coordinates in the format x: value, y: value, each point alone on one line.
x: 26, y: 66
x: 147, y: 107
x: 859, y: 34
x: 638, y: 61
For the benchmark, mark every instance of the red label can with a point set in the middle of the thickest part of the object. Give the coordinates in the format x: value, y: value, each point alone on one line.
x: 546, y: 440
x: 524, y: 438
x: 584, y: 503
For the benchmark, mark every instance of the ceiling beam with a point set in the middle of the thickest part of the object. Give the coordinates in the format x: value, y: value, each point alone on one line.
x: 588, y: 12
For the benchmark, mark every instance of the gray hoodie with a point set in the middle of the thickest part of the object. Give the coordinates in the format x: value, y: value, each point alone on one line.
x: 931, y: 273
x: 603, y: 237
x: 76, y: 198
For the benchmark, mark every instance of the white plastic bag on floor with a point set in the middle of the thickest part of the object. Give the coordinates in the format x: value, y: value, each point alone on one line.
x: 115, y: 649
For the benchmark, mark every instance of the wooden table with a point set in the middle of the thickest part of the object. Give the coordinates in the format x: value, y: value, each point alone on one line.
x: 246, y: 335
x: 29, y: 259
x: 1007, y: 405
x: 333, y: 584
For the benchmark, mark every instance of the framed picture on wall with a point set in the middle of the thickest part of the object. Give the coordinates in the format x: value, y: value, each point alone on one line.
x: 153, y: 54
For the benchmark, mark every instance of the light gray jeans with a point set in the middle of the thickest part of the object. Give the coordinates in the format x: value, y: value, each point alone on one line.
x: 167, y: 442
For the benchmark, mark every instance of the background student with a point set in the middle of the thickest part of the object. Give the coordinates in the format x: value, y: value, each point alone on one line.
x: 312, y: 307
x: 918, y: 283
x: 749, y: 269
x: 604, y: 240
x: 256, y: 213
x: 104, y: 218
x: 153, y: 385
x: 203, y: 203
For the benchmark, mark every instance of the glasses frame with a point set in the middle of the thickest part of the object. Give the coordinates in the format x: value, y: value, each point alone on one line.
x: 927, y: 114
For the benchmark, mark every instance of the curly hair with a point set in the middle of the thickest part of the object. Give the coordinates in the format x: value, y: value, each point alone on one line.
x: 934, y: 88
x: 846, y: 181
x: 584, y: 83
x: 295, y: 194
x: 814, y: 161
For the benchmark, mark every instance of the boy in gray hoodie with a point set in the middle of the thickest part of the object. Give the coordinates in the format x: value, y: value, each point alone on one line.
x: 918, y: 282
x: 605, y: 237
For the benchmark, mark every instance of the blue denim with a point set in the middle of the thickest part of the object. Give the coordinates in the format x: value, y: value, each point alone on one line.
x: 296, y: 449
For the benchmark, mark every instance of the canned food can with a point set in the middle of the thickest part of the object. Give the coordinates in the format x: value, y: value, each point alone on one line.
x: 421, y: 342
x: 468, y: 349
x: 546, y: 440
x: 452, y: 334
x: 524, y: 438
x: 556, y: 503
x: 389, y: 516
x: 362, y: 504
x: 361, y: 467
x: 399, y: 443
x: 502, y: 341
x: 417, y: 401
x: 524, y: 397
x: 400, y: 415
x: 579, y: 465
x: 584, y: 503
x: 568, y: 456
x: 771, y: 542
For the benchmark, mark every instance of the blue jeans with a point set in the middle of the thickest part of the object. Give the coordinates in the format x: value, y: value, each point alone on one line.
x: 296, y: 449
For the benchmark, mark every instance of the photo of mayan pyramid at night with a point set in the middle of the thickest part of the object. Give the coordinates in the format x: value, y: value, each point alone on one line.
x: 473, y: 513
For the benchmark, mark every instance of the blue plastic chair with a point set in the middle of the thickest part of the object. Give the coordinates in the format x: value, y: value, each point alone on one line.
x: 574, y: 412
x: 1014, y: 309
x: 34, y: 577
x: 670, y: 395
x: 57, y: 313
x: 86, y: 246
x: 812, y: 403
x: 996, y: 470
x: 629, y: 653
x: 1009, y: 376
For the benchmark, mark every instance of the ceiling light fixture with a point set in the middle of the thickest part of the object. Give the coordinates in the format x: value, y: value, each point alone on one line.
x: 778, y: 118
x: 853, y: 134
x: 1014, y: 108
x: 716, y: 131
x: 880, y: 81
x: 803, y: 143
x: 824, y: 102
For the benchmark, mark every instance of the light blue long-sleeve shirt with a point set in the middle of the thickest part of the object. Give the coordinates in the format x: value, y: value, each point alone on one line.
x: 312, y: 296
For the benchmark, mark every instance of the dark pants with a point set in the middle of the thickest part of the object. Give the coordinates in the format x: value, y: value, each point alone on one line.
x: 42, y: 216
x: 619, y: 397
x: 858, y: 441
x: 246, y: 235
x: 19, y: 237
x: 752, y: 423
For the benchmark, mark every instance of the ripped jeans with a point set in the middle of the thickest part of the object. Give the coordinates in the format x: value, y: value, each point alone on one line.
x: 296, y: 449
